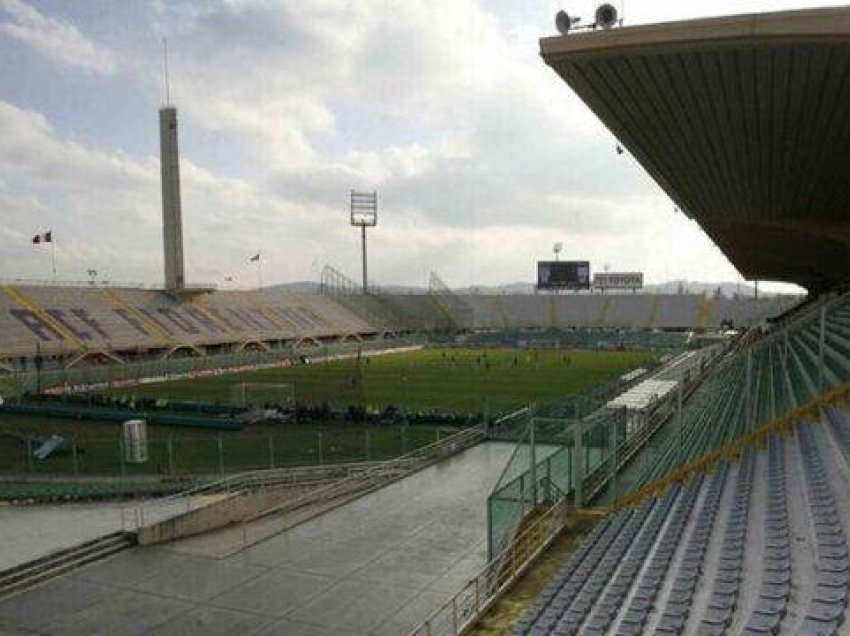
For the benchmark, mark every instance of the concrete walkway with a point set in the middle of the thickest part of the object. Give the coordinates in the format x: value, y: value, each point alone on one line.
x: 378, y: 565
x: 28, y: 532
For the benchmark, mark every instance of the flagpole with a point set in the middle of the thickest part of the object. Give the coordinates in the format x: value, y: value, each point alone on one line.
x: 260, y: 270
x: 53, y: 255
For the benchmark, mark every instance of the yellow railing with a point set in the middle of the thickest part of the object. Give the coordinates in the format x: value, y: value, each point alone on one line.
x: 17, y: 296
x: 151, y: 326
x: 503, y: 314
x: 654, y: 308
x: 212, y: 316
x: 704, y: 311
x: 757, y: 437
x: 603, y: 313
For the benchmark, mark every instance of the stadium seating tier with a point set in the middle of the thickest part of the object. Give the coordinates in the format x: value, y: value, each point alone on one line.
x: 715, y: 554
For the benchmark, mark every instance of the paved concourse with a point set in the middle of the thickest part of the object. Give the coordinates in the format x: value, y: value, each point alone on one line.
x: 378, y: 565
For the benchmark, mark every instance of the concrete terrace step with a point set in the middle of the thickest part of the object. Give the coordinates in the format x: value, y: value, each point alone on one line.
x: 56, y: 563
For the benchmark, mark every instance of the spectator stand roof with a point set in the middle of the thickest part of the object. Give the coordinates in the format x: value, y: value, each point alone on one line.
x: 743, y: 121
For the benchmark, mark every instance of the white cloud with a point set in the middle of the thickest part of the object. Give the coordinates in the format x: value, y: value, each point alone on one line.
x: 481, y: 155
x: 60, y: 41
x: 104, y: 208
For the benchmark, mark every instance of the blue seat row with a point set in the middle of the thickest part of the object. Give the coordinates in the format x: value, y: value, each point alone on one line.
x: 691, y: 565
x: 606, y: 610
x: 570, y: 577
x: 643, y: 600
x: 774, y: 593
x: 730, y: 563
x: 825, y: 612
x: 574, y: 613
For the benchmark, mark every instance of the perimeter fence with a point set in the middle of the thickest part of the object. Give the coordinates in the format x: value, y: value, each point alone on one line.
x: 183, y: 453
x: 540, y: 473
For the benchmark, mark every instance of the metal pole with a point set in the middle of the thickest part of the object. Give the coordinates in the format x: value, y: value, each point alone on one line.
x: 679, y: 450
x: 363, y: 237
x: 321, y: 458
x: 578, y: 472
x: 170, y: 455
x: 748, y: 388
x: 220, y: 455
x: 821, y: 347
x: 785, y: 365
x: 613, y: 458
x: 532, y: 456
x: 489, y: 527
x: 454, y: 615
x: 368, y: 445
x: 522, y: 494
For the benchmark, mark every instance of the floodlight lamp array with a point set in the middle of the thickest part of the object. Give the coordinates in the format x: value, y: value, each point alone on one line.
x: 364, y: 209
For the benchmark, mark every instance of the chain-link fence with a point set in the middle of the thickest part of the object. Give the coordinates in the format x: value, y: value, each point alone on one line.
x: 180, y: 454
x: 539, y: 473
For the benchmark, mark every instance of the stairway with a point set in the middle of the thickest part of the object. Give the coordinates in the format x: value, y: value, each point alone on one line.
x: 57, y: 563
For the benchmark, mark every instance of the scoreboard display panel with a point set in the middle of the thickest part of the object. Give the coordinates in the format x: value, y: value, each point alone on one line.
x: 563, y: 275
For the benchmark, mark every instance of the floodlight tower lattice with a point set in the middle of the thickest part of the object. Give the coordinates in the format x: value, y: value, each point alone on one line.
x: 364, y: 213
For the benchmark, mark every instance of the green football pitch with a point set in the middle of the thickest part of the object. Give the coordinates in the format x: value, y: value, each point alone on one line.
x: 447, y: 380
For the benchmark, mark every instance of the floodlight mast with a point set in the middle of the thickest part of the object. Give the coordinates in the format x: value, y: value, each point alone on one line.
x: 364, y: 213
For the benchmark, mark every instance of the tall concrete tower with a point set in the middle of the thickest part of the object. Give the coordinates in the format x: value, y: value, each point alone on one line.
x: 172, y: 216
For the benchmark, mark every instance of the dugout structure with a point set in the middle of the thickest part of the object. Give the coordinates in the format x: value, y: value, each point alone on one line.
x: 262, y: 394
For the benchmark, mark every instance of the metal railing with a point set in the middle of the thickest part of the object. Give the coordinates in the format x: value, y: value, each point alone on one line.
x: 760, y: 380
x: 474, y: 598
x: 99, y: 284
x: 135, y: 517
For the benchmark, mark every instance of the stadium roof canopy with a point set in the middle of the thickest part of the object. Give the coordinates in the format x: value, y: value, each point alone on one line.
x: 744, y: 121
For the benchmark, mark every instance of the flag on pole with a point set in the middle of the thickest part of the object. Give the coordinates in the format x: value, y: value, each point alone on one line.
x: 255, y: 258
x: 46, y: 237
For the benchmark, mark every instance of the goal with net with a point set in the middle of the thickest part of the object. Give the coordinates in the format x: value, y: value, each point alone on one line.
x: 263, y: 395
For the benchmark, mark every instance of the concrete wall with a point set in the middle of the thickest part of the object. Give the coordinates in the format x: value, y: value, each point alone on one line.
x: 246, y: 506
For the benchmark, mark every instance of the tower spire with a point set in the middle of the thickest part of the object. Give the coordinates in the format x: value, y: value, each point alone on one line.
x: 165, y: 72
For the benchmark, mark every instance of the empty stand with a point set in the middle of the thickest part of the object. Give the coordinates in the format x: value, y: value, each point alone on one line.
x: 762, y: 378
x: 617, y: 311
x: 57, y: 320
x: 726, y: 553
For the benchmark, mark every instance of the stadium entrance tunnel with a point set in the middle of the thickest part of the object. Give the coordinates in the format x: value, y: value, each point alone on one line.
x: 191, y: 349
x: 253, y: 345
x: 98, y: 357
x: 307, y: 342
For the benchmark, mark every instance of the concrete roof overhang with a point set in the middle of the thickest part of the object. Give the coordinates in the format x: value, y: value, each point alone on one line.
x: 744, y: 121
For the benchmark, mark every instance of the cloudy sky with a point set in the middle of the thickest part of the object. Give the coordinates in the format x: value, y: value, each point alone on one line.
x: 482, y: 157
